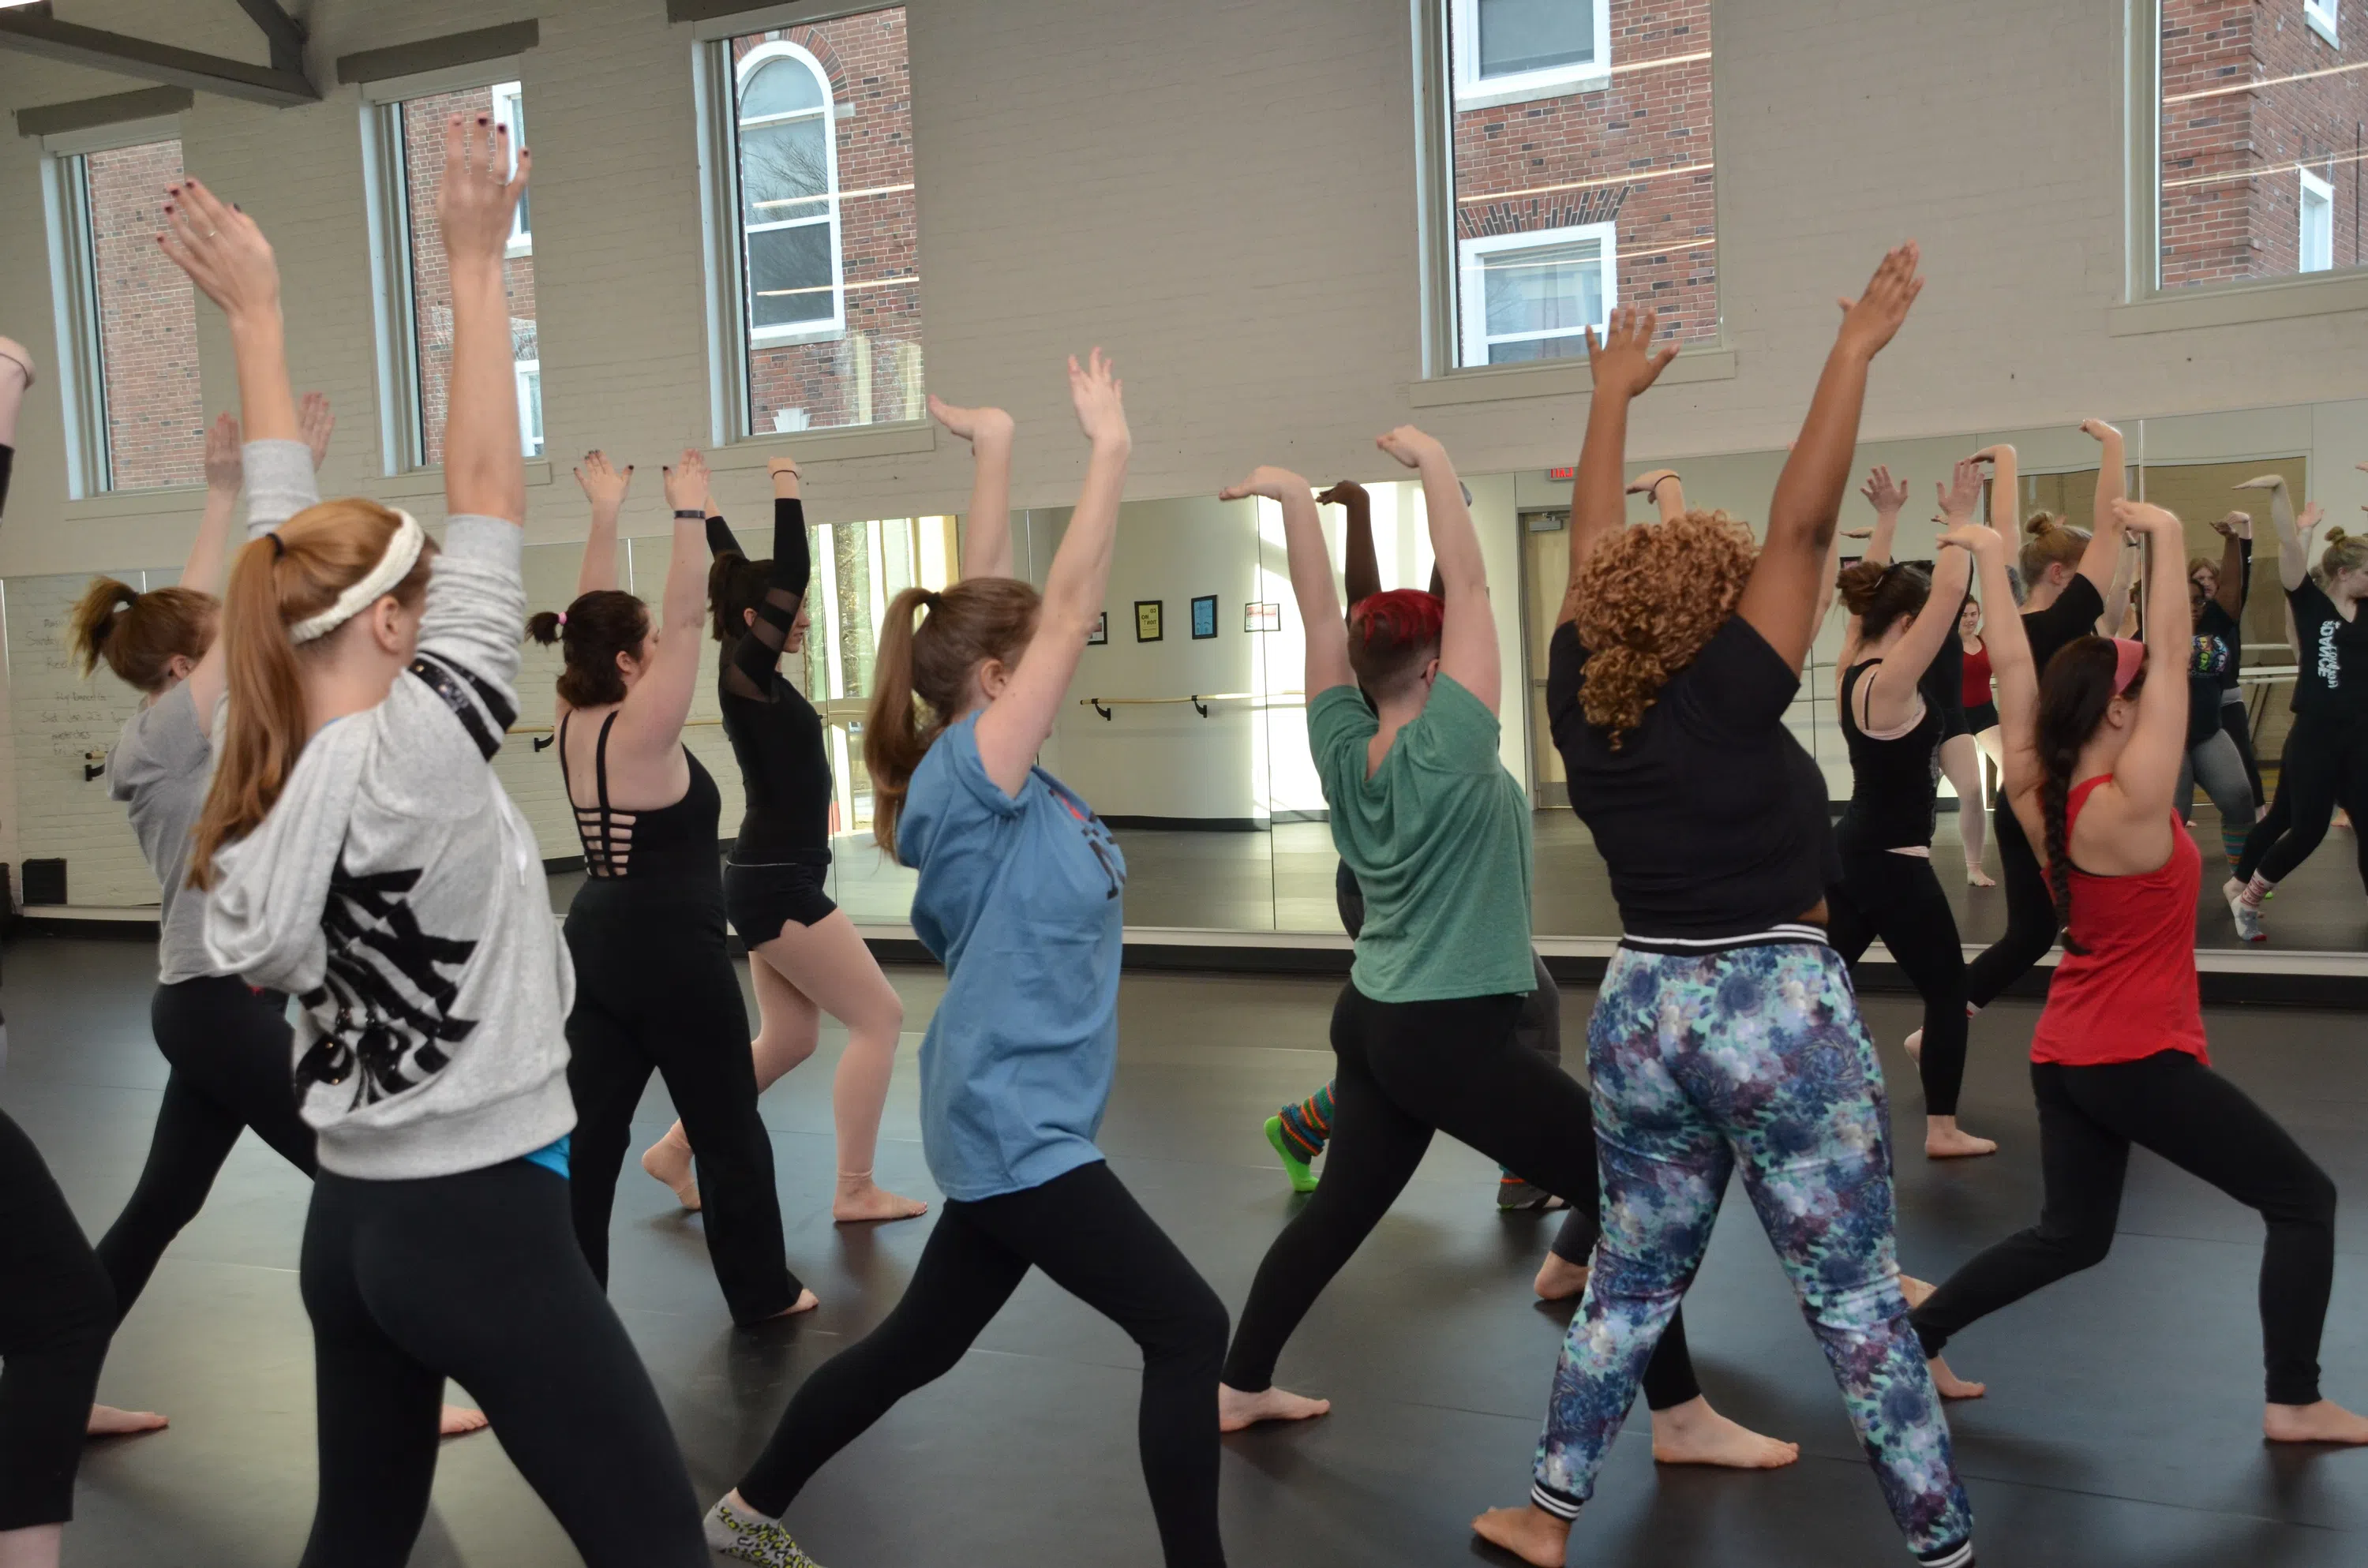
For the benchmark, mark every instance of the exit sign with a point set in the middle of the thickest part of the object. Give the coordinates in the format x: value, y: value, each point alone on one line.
x: 1561, y: 475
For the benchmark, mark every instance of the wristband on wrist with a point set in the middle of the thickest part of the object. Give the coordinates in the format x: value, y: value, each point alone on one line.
x: 692, y: 513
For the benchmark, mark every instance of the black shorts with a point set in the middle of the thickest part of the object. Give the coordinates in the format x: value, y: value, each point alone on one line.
x: 759, y: 900
x: 1953, y: 723
x: 1983, y: 716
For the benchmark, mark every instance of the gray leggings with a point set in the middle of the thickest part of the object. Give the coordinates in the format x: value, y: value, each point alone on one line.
x: 2215, y: 764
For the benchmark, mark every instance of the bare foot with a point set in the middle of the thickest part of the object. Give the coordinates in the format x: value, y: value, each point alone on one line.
x: 1559, y: 1278
x: 1693, y: 1433
x: 105, y: 1421
x: 1529, y: 1533
x: 458, y: 1421
x: 668, y: 1160
x: 807, y: 1301
x: 2325, y: 1422
x: 1914, y: 1043
x: 861, y: 1199
x: 1943, y: 1140
x: 1977, y: 878
x: 1236, y: 1410
x: 1951, y: 1386
x: 1917, y: 1291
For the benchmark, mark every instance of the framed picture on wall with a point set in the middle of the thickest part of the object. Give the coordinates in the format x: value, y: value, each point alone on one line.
x: 1261, y: 616
x: 1101, y: 633
x: 1148, y: 620
x: 1204, y: 618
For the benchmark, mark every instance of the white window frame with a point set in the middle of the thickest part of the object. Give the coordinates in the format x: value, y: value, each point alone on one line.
x: 2314, y: 190
x: 73, y: 292
x: 820, y: 329
x: 1473, y: 91
x: 509, y: 100
x: 2321, y: 16
x: 1473, y: 338
x: 527, y: 374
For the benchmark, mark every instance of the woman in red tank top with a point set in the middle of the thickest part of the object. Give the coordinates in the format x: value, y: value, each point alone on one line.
x: 2092, y: 754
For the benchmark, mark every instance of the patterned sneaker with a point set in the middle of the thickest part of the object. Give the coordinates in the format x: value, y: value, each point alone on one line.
x: 1302, y: 1178
x: 737, y: 1532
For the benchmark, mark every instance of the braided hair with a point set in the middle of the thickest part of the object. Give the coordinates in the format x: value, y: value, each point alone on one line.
x: 2074, y: 690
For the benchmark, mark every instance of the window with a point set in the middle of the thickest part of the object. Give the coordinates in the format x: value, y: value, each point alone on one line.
x: 416, y: 288
x: 1532, y: 296
x: 1569, y: 180
x: 128, y: 318
x: 2256, y: 145
x: 509, y: 109
x: 1514, y: 51
x: 2314, y: 243
x: 810, y: 140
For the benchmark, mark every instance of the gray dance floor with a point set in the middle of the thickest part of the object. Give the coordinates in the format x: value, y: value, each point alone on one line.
x: 2123, y: 1426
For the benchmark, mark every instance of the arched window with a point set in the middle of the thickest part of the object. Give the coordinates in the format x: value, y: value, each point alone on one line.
x: 789, y: 195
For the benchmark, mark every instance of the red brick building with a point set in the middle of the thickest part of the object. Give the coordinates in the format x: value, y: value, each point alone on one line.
x: 829, y: 224
x: 2264, y: 121
x: 1584, y: 171
x: 147, y: 323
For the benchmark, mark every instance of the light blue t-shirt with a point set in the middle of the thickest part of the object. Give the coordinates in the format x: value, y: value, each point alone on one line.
x: 1019, y: 899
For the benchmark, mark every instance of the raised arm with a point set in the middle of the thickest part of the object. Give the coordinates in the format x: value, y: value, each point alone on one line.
x: 2147, y: 773
x: 1018, y: 721
x: 1887, y: 496
x: 1665, y: 490
x: 1311, y: 574
x: 484, y: 473
x: 2236, y: 531
x: 2294, y: 542
x: 1623, y: 365
x: 1467, y: 644
x: 986, y: 528
x: 2117, y: 598
x: 757, y: 655
x: 2099, y: 562
x: 604, y: 486
x: 650, y: 722
x: 2012, y: 673
x: 1360, y: 565
x: 225, y: 473
x: 1780, y: 599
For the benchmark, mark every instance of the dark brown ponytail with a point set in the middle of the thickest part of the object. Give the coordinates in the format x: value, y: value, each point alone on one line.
x: 1880, y: 594
x: 2074, y: 690
x: 920, y: 676
x: 597, y: 628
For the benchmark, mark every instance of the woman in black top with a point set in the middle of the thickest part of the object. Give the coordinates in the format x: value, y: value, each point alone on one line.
x: 2214, y: 597
x: 2327, y: 751
x: 1724, y: 1035
x: 2227, y: 587
x: 1902, y: 617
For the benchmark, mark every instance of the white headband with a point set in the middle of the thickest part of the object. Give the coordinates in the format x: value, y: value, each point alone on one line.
x: 401, y: 554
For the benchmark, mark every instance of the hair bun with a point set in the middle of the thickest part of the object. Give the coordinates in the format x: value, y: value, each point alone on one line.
x: 2040, y: 524
x: 2337, y: 536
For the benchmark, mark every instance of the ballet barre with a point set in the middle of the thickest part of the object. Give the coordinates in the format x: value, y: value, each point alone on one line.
x: 1105, y: 706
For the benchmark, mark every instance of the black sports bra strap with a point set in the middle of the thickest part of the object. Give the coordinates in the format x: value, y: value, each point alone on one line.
x: 600, y: 760
x: 565, y: 782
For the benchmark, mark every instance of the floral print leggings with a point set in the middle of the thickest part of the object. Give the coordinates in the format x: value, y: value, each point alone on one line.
x: 1753, y: 1055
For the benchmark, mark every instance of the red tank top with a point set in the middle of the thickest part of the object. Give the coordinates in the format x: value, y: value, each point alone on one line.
x: 2132, y: 993
x: 1978, y: 678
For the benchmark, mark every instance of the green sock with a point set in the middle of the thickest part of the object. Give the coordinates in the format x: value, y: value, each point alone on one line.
x: 1302, y: 1178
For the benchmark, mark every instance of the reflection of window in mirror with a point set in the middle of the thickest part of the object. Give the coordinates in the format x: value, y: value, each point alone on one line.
x: 2315, y: 244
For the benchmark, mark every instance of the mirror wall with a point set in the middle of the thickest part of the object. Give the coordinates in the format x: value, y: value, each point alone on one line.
x: 1186, y: 725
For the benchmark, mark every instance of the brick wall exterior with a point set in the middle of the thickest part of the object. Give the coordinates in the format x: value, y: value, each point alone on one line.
x: 2231, y: 196
x: 871, y: 371
x: 431, y: 281
x: 1612, y: 142
x: 147, y: 323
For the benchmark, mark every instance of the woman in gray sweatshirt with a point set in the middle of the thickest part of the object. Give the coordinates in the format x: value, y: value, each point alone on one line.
x: 361, y: 857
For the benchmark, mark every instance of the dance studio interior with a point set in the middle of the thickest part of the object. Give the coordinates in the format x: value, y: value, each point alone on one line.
x: 1293, y: 784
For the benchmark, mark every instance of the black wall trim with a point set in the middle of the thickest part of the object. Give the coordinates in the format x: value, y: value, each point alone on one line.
x: 438, y: 53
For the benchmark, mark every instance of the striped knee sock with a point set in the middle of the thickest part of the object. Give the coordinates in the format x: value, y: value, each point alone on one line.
x: 1308, y: 1125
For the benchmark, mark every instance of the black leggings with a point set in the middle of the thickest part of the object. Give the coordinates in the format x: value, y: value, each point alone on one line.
x: 56, y: 1316
x: 2326, y: 765
x: 1090, y: 1237
x: 655, y: 989
x: 2030, y: 927
x: 2238, y: 722
x: 2198, y: 1120
x: 233, y: 1061
x: 1898, y: 898
x: 1404, y: 1070
x: 477, y: 1278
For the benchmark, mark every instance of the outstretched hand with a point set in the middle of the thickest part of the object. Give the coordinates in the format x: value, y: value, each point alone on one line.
x: 316, y: 425
x: 1623, y: 361
x: 1978, y: 538
x: 686, y: 481
x: 605, y: 483
x: 1100, y: 399
x: 2264, y: 482
x: 1872, y: 320
x: 2311, y: 515
x: 225, y: 460
x: 1410, y: 446
x: 1883, y: 492
x: 1646, y: 483
x: 2097, y: 430
x: 1341, y: 493
x: 1270, y: 481
x: 2236, y: 525
x: 972, y: 425
x: 1964, y: 491
x: 477, y: 204
x: 2139, y: 518
x: 221, y: 249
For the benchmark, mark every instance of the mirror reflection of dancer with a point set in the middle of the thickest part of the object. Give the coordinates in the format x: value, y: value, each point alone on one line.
x: 2325, y: 762
x: 2216, y: 599
x: 1726, y: 1033
x: 1298, y: 1130
x: 363, y: 857
x: 2225, y: 587
x: 2118, y: 1058
x: 655, y: 989
x: 1021, y: 896
x: 1901, y: 617
x: 1437, y: 835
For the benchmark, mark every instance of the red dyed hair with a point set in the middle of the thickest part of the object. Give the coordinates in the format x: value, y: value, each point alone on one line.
x: 1392, y: 636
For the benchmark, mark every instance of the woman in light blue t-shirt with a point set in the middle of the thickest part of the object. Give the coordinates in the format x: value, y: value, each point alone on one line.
x: 1020, y: 897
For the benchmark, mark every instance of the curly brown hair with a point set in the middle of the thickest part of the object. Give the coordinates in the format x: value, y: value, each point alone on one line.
x: 1649, y: 600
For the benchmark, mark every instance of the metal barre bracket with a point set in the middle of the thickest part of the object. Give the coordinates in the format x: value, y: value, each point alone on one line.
x: 1099, y: 709
x: 543, y: 743
x: 1199, y: 707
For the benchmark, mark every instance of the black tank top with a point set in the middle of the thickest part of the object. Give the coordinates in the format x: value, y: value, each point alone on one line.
x: 677, y: 840
x: 784, y: 772
x: 1893, y: 784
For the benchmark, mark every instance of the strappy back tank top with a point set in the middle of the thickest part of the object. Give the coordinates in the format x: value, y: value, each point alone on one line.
x: 1894, y: 783
x: 677, y: 840
x: 2132, y: 992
